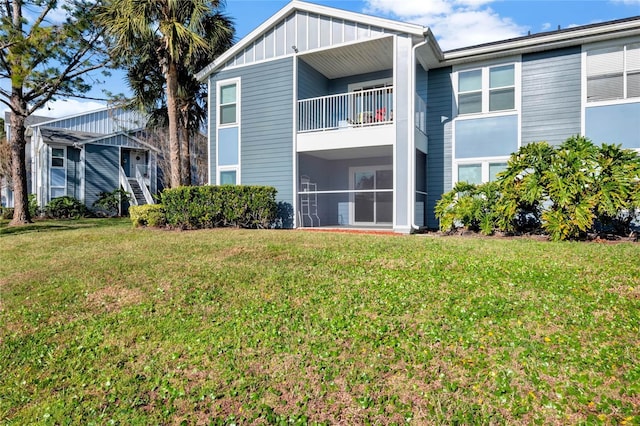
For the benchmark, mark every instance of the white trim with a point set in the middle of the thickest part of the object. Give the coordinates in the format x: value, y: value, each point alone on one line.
x: 237, y: 124
x: 294, y: 139
x: 51, y: 167
x: 210, y: 105
x: 394, y: 123
x: 483, y: 162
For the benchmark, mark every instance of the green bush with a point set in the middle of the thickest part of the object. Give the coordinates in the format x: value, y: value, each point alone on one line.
x: 470, y: 206
x: 34, y: 209
x: 196, y: 207
x: 109, y: 202
x: 571, y: 189
x: 148, y: 215
x: 65, y: 208
x: 6, y: 213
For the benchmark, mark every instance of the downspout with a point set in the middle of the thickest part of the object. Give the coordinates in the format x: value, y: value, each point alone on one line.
x: 412, y: 134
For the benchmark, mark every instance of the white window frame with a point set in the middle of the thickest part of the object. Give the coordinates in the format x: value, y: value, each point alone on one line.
x: 64, y: 167
x: 485, y: 67
x: 223, y: 169
x: 604, y: 45
x: 219, y: 85
x: 484, y: 164
x: 237, y: 124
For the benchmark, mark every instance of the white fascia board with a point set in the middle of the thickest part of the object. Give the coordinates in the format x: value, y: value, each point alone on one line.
x: 549, y: 41
x: 295, y: 5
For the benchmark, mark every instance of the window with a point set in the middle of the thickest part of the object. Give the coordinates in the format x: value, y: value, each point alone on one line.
x: 487, y: 89
x: 58, y: 173
x: 613, y: 73
x: 228, y: 132
x: 228, y: 104
x: 228, y: 177
x: 480, y: 172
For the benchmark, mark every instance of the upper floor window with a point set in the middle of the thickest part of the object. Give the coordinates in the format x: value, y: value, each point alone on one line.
x: 487, y: 89
x: 613, y: 73
x: 228, y: 104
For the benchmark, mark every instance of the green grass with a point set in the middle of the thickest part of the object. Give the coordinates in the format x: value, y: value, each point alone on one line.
x: 101, y: 323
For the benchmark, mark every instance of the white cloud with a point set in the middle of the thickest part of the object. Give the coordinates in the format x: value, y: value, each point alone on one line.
x: 65, y: 107
x: 456, y: 23
x: 627, y: 2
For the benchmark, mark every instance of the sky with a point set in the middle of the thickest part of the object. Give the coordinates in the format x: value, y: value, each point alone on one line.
x: 455, y: 23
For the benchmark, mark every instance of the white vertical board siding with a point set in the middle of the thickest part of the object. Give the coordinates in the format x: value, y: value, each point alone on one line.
x: 102, y: 121
x: 305, y: 31
x: 551, y: 95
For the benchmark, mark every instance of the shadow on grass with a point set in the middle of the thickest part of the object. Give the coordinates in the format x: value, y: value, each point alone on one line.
x: 60, y: 225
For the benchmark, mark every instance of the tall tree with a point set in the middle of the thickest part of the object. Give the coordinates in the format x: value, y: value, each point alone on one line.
x: 43, y: 57
x: 146, y: 80
x: 172, y: 33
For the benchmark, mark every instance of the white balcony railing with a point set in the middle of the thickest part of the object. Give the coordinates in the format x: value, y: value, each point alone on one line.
x: 356, y: 109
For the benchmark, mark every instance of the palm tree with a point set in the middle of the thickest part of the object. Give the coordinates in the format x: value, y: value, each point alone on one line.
x: 172, y: 33
x: 146, y: 81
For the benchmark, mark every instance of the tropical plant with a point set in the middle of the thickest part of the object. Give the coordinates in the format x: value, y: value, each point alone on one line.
x: 109, y: 201
x: 43, y: 57
x: 570, y: 189
x: 470, y: 206
x: 65, y: 207
x: 166, y: 40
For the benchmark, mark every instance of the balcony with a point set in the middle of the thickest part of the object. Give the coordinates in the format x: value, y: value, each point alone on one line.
x: 373, y: 107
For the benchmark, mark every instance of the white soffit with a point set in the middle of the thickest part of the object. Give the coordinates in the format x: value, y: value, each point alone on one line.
x: 352, y: 59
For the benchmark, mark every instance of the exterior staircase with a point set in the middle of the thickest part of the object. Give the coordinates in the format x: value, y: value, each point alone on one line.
x: 137, y: 192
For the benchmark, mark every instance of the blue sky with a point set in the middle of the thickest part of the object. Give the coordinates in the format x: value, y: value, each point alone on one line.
x: 456, y: 23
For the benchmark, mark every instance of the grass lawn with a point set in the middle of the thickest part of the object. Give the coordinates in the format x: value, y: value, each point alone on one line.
x: 101, y: 323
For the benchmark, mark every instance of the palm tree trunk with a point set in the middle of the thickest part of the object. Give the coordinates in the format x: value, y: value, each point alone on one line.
x: 185, y: 147
x: 171, y: 76
x: 17, y: 143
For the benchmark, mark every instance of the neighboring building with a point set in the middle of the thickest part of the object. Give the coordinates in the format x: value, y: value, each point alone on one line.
x: 86, y: 154
x: 363, y: 121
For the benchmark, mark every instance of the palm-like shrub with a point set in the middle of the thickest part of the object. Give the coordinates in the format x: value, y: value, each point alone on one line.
x: 468, y: 205
x: 567, y: 192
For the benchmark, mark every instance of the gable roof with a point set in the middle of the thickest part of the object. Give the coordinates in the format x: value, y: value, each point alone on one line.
x: 66, y: 137
x: 372, y: 26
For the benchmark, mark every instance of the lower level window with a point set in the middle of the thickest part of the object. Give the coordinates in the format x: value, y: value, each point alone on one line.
x: 482, y: 172
x: 228, y: 177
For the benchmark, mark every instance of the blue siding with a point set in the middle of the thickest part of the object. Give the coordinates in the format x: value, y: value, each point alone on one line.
x: 614, y: 124
x: 440, y: 106
x: 311, y: 83
x: 440, y: 139
x: 266, y: 138
x: 551, y: 95
x: 101, y: 171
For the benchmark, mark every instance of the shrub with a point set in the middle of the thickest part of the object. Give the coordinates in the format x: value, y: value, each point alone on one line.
x: 109, y: 202
x: 6, y: 213
x: 194, y: 207
x: 148, y: 215
x: 34, y: 209
x: 65, y: 208
x: 468, y: 205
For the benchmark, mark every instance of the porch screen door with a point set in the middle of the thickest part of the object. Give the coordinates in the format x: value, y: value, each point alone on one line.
x: 373, y: 206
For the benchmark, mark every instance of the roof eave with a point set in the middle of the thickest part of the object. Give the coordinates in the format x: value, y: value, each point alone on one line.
x: 538, y: 43
x: 296, y: 5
